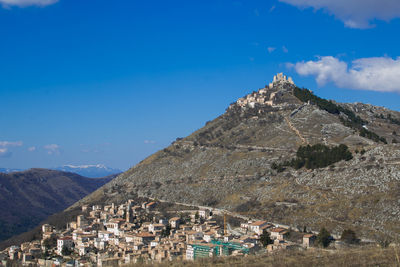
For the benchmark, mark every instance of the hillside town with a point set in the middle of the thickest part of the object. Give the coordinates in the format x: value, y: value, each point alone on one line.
x: 266, y: 96
x: 132, y: 232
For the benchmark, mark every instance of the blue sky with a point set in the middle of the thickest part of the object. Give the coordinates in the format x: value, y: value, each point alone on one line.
x: 111, y: 82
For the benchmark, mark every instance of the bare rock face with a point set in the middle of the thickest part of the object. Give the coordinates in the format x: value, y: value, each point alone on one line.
x: 227, y: 163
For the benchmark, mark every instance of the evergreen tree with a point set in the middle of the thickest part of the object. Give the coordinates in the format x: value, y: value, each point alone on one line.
x: 265, y: 238
x: 66, y: 251
x: 323, y: 238
x: 166, y: 232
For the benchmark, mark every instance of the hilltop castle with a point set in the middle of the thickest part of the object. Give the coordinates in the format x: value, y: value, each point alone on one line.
x: 265, y: 96
x: 280, y: 78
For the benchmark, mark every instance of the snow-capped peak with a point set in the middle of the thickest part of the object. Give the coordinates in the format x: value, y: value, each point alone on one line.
x: 90, y: 170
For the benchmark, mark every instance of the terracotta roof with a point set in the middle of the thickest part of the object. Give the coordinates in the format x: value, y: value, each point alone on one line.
x: 145, y: 234
x: 117, y: 220
x: 158, y: 225
x: 174, y: 219
x: 308, y: 235
x: 278, y: 230
x: 266, y: 226
x: 192, y: 232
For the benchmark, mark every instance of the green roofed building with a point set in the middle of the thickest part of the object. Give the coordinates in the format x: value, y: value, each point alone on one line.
x: 213, y: 249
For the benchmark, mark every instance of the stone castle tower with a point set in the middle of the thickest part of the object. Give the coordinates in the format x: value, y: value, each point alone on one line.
x: 280, y: 79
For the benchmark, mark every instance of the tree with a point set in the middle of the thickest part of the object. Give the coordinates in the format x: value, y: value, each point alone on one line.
x: 265, y: 238
x: 349, y: 236
x: 66, y: 251
x: 323, y: 238
x: 166, y: 232
x: 48, y: 243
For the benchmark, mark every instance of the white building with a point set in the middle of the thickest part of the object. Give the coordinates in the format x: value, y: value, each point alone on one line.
x: 156, y: 227
x: 47, y: 228
x: 64, y: 242
x: 204, y: 213
x: 174, y: 222
x: 104, y: 235
x: 259, y: 226
x: 279, y: 233
x: 189, y: 252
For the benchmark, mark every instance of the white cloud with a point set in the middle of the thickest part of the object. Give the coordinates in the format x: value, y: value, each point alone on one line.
x: 52, y: 149
x: 4, y: 145
x: 354, y: 13
x: 25, y: 3
x: 31, y: 149
x: 271, y: 49
x: 149, y: 141
x: 376, y: 74
x: 10, y: 144
x: 4, y: 153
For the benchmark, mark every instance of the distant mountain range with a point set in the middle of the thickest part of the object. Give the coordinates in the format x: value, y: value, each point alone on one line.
x: 90, y: 171
x: 7, y: 170
x: 29, y: 197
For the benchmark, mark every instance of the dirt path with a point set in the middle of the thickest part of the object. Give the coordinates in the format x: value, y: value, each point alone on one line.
x: 297, y: 132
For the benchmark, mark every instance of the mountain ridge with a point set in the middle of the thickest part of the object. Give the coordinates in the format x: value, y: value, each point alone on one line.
x: 30, y: 196
x: 227, y: 164
x: 90, y: 170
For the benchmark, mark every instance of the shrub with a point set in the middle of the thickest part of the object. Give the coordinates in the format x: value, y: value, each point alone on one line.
x: 323, y: 238
x: 316, y: 156
x: 265, y: 238
x: 349, y: 236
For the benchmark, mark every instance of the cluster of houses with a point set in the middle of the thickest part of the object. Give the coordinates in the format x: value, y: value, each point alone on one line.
x: 265, y: 96
x: 130, y: 233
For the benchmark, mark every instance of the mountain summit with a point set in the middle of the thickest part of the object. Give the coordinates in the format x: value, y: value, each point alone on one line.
x: 284, y: 154
x: 268, y: 95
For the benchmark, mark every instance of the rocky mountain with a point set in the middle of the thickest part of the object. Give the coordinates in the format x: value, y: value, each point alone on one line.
x: 248, y: 160
x: 30, y: 196
x: 91, y: 171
